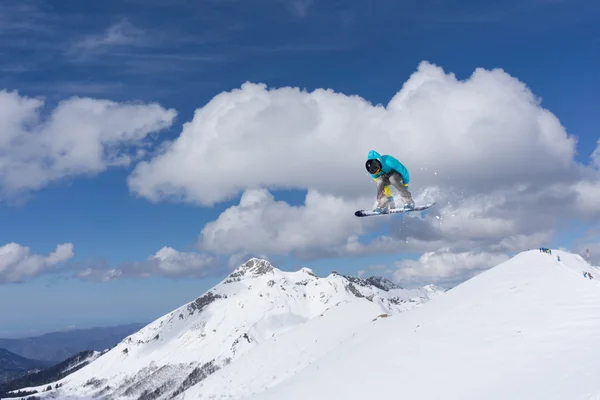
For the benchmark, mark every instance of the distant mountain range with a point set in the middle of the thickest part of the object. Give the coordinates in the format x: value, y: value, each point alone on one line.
x: 13, y: 365
x: 44, y: 376
x: 58, y: 346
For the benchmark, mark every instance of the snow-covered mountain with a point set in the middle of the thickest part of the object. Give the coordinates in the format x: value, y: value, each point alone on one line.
x: 526, y: 329
x: 255, y: 307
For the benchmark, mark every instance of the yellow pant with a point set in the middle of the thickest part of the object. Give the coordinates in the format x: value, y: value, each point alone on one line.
x: 384, y: 191
x: 387, y: 190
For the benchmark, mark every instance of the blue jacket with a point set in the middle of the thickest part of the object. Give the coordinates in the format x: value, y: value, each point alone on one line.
x: 389, y: 164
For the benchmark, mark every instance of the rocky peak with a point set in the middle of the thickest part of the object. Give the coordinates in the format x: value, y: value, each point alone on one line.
x: 376, y: 281
x: 256, y: 267
x: 307, y: 271
x: 383, y: 283
x: 252, y: 268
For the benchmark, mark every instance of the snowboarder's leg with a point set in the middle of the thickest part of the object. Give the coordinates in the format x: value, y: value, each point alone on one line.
x: 397, y: 181
x: 384, y: 193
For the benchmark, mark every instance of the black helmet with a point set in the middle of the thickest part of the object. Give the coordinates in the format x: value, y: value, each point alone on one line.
x: 373, y: 166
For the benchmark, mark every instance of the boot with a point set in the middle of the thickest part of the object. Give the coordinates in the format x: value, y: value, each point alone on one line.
x: 389, y: 203
x: 385, y: 205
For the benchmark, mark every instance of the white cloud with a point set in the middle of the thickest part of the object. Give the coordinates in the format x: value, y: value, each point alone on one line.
x: 377, y: 269
x: 99, y: 274
x: 589, y: 247
x: 520, y: 242
x: 420, y: 238
x: 499, y: 215
x: 324, y: 226
x: 166, y: 262
x: 596, y: 156
x: 587, y: 190
x: 482, y: 133
x: 475, y: 217
x: 500, y: 166
x: 121, y: 33
x: 81, y: 136
x: 587, y: 197
x: 445, y: 267
x: 300, y: 8
x: 18, y: 264
x: 170, y: 262
x: 261, y: 224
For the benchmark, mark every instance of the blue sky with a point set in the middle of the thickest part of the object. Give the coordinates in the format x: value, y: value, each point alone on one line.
x: 181, y: 54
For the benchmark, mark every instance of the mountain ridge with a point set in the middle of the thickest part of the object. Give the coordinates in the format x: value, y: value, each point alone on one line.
x: 58, y: 346
x: 13, y: 366
x: 254, y: 304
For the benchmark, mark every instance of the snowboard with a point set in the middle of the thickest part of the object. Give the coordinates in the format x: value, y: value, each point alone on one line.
x: 369, y: 213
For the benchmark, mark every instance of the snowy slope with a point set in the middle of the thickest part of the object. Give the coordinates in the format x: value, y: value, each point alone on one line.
x: 252, y: 307
x: 527, y: 329
x: 274, y: 361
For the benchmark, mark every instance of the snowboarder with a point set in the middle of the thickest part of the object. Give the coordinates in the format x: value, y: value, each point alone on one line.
x: 387, y: 170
